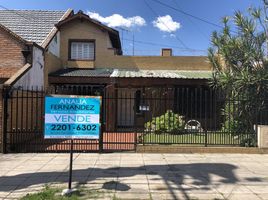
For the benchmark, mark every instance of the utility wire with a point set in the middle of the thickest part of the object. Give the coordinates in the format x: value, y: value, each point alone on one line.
x: 194, y: 24
x: 131, y: 40
x: 188, y: 14
x: 5, y: 8
x: 155, y: 50
x: 165, y: 24
x: 164, y: 45
x: 28, y: 17
x: 193, y: 16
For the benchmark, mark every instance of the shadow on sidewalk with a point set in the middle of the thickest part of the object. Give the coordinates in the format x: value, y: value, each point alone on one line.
x: 175, y: 174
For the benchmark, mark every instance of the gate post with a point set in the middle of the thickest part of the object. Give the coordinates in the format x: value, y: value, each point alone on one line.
x: 101, y: 122
x: 5, y: 116
x: 101, y: 139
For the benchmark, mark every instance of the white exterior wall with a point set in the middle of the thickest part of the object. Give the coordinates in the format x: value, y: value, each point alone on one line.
x: 35, y: 76
x: 54, y: 45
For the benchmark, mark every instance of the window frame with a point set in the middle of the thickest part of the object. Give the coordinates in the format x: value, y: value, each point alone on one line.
x: 81, y: 40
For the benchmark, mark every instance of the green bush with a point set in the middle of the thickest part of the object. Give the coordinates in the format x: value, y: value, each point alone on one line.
x: 234, y: 122
x: 166, y: 123
x: 248, y: 142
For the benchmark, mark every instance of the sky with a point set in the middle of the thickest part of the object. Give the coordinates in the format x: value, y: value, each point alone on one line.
x: 146, y: 26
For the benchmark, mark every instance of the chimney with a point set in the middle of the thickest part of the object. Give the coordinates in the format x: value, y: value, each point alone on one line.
x: 166, y: 52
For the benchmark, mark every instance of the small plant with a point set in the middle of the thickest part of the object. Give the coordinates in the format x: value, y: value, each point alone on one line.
x: 249, y: 142
x: 167, y: 123
x: 50, y: 193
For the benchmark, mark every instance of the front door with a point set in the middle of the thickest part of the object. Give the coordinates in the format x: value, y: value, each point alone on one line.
x: 125, y: 108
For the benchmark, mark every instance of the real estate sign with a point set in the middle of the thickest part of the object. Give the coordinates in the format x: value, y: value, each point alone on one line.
x: 72, y: 117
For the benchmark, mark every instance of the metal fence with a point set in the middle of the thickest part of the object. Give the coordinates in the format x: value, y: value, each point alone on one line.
x: 133, y: 116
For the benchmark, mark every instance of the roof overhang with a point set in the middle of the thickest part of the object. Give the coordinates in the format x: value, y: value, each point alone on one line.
x: 54, y: 31
x: 113, y: 34
x: 13, y: 79
x: 18, y: 38
x: 14, y: 35
x: 132, y: 73
x: 129, y: 77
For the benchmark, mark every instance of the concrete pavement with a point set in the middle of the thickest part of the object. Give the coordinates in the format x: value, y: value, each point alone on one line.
x: 140, y: 176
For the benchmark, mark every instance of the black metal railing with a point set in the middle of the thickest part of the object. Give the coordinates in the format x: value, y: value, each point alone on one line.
x: 132, y: 116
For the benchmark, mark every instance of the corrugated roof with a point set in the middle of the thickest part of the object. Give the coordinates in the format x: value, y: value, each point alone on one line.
x: 31, y: 25
x: 126, y: 73
x: 133, y: 73
x: 83, y: 72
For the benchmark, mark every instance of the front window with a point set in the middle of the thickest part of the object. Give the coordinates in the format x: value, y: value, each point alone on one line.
x: 81, y: 50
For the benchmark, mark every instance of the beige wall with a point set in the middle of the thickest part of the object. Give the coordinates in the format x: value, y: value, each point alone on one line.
x: 52, y: 64
x: 263, y: 136
x: 155, y: 62
x: 84, y: 30
x: 106, y: 58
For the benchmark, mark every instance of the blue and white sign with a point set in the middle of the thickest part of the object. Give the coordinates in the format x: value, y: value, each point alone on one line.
x: 72, y: 117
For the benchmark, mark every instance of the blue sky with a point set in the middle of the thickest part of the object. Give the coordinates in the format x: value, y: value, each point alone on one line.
x: 186, y: 35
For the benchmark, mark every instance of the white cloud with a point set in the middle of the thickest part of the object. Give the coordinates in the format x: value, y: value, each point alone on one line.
x: 166, y: 24
x: 117, y: 20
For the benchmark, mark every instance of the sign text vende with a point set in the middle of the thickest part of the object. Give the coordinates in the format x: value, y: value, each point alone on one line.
x: 72, y: 117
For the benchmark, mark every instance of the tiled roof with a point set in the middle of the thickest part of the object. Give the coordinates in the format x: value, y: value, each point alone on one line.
x: 31, y: 25
x: 133, y: 73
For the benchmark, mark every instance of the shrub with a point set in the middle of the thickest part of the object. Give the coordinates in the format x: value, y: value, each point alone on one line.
x: 167, y: 123
x: 236, y: 123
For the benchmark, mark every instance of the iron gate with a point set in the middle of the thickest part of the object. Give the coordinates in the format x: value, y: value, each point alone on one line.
x: 130, y: 116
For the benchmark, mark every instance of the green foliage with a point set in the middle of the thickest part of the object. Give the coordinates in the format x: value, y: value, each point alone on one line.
x: 239, y: 60
x: 232, y: 123
x: 249, y: 142
x: 49, y: 193
x: 168, y: 122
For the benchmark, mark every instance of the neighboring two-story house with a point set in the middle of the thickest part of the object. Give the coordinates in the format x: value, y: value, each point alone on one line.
x: 62, y: 48
x: 24, y: 37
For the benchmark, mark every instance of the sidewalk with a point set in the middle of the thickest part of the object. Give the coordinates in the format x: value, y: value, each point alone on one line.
x: 140, y: 176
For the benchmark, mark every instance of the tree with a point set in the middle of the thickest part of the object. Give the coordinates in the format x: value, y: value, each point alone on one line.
x: 238, y: 55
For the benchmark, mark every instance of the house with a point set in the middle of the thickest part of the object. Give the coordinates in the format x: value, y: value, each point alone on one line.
x: 91, y: 55
x: 64, y: 49
x: 24, y: 36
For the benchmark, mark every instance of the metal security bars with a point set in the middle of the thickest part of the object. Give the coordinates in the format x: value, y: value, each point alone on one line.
x: 180, y: 115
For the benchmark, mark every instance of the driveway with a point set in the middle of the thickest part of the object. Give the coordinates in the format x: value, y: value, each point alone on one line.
x: 140, y: 176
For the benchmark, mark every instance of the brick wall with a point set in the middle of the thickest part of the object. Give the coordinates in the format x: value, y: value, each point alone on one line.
x: 1, y: 121
x: 11, y: 58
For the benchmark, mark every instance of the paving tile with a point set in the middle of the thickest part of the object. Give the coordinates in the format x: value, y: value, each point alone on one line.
x: 260, y: 189
x: 168, y: 195
x: 263, y: 196
x: 13, y: 181
x: 242, y: 196
x: 204, y: 196
x: 134, y: 181
x: 101, y: 180
x: 165, y: 176
x: 132, y: 195
x: 4, y: 194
